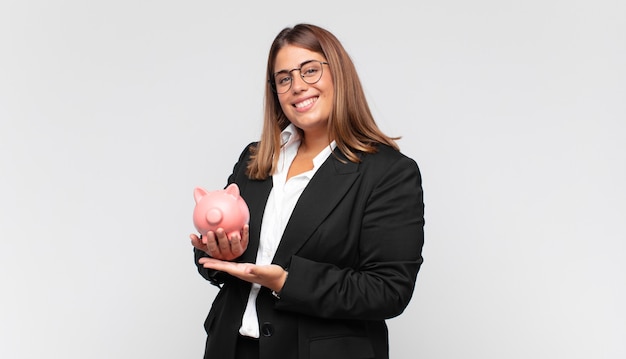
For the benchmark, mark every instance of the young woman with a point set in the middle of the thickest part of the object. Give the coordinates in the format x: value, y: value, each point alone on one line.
x: 335, y: 237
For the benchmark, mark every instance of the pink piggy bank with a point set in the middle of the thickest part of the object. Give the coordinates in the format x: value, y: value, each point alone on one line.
x: 220, y: 209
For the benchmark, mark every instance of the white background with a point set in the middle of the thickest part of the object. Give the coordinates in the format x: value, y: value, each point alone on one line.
x: 111, y: 112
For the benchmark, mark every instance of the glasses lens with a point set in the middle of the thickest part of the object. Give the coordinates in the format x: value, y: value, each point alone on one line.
x: 282, y: 82
x: 311, y: 72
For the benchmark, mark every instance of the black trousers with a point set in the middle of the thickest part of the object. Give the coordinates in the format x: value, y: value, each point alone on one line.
x: 247, y: 348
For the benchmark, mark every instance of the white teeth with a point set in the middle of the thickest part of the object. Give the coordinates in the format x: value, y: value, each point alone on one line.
x: 305, y: 102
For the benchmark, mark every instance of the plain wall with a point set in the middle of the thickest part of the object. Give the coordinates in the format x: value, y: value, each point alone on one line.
x: 111, y: 112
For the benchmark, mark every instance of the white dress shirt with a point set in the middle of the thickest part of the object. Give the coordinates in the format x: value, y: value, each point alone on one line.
x: 280, y: 204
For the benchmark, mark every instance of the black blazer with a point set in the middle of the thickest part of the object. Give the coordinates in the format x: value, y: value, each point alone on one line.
x: 352, y: 247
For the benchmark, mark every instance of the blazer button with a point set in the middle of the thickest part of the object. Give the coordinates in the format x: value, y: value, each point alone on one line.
x: 267, y: 329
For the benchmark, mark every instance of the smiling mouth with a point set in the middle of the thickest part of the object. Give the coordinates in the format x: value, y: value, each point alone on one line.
x: 306, y: 102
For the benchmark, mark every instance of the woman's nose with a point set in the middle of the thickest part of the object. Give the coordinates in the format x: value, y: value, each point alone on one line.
x: 298, y: 84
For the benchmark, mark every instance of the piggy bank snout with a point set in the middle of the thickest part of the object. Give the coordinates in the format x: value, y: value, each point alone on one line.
x: 214, y: 216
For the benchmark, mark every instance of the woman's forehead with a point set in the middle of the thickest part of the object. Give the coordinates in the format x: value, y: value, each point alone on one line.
x: 290, y: 57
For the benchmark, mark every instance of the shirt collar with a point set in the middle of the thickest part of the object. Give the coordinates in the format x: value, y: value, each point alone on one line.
x: 323, y: 155
x: 289, y: 135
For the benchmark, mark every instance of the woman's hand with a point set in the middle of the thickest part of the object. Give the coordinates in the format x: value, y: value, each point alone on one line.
x: 271, y: 276
x: 219, y: 246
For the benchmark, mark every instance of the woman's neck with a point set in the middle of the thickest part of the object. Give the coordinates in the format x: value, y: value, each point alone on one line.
x: 312, y: 145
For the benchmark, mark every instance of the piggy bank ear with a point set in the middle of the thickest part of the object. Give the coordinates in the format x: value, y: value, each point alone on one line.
x: 198, y: 193
x: 233, y: 189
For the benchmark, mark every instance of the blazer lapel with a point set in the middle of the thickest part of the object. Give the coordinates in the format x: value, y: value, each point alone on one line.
x: 331, y: 181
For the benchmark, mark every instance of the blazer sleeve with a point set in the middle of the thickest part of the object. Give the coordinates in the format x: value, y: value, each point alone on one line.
x: 389, y: 237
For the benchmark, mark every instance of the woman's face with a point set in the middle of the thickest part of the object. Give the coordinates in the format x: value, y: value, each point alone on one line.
x: 306, y: 105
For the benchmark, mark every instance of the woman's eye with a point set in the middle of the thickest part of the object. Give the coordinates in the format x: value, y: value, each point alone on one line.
x: 283, y: 80
x: 309, y: 71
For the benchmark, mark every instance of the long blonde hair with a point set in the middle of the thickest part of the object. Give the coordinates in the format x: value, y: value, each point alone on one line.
x: 351, y: 123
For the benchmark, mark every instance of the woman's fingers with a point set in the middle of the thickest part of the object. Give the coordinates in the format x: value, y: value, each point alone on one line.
x: 271, y: 276
x: 223, y: 243
x: 239, y: 242
x: 213, y: 248
x: 218, y: 245
x: 197, y: 242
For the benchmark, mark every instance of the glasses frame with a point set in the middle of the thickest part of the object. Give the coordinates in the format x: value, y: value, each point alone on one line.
x: 272, y: 81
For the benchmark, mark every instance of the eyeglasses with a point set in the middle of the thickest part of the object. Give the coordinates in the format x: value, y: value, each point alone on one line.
x: 310, y: 72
